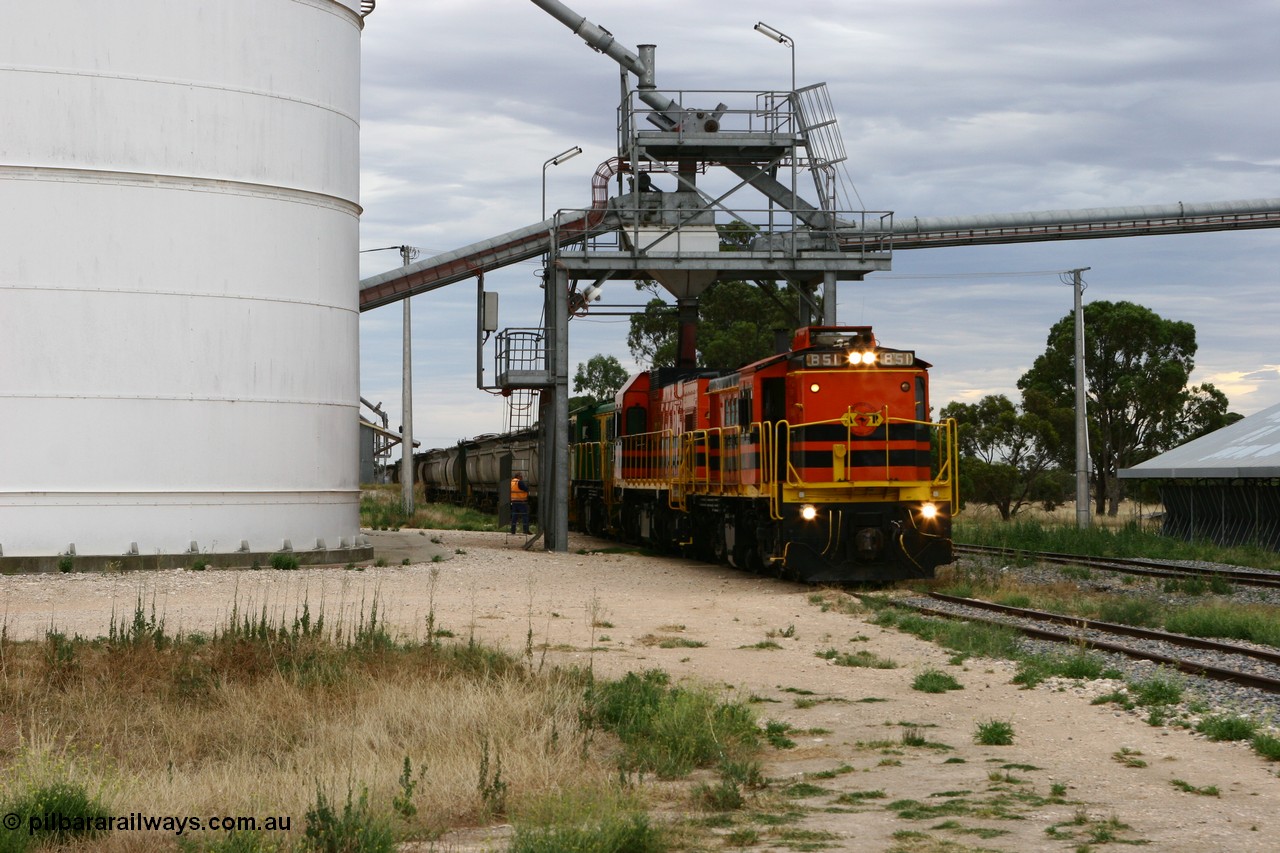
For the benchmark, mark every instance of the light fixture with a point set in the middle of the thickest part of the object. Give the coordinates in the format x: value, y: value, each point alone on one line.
x: 776, y: 35
x: 808, y: 512
x: 781, y: 38
x: 567, y: 154
x: 928, y: 511
x: 814, y: 388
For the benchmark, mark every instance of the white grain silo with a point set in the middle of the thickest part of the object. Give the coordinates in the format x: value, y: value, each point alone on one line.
x: 178, y: 275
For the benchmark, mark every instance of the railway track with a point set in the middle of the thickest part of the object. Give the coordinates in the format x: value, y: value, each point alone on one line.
x: 1249, y: 667
x: 1131, y: 566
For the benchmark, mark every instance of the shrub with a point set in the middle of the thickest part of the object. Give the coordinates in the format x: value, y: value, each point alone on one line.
x: 775, y: 731
x: 615, y: 834
x: 1226, y: 727
x: 1159, y: 689
x: 723, y: 797
x: 353, y: 830
x: 63, y: 804
x: 994, y: 733
x: 1266, y: 745
x: 860, y: 658
x: 1251, y: 624
x: 284, y: 561
x: 1036, y: 668
x: 968, y: 638
x: 935, y: 681
x: 670, y: 730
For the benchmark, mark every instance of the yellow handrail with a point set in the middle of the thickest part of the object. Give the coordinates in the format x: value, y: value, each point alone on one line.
x: 668, y: 460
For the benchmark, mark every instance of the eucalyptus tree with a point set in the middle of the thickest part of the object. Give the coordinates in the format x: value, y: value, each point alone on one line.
x: 1137, y: 368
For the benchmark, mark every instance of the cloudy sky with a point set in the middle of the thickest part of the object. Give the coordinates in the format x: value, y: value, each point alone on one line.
x: 946, y: 107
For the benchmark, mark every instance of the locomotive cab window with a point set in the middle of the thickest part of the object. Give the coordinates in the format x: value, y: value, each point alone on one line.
x: 637, y: 420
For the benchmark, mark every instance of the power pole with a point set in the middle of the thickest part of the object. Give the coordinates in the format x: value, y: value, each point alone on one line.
x: 1082, y: 424
x: 407, y: 254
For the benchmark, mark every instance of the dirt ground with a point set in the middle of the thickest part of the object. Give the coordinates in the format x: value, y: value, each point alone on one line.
x: 850, y: 720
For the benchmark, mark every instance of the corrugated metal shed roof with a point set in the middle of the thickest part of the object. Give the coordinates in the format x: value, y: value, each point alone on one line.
x: 1248, y: 448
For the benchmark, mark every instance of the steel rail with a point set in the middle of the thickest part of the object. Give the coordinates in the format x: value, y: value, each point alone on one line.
x: 1218, y: 673
x: 1132, y: 566
x: 1115, y: 628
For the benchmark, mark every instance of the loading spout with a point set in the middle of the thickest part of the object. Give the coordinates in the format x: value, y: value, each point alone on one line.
x: 602, y: 41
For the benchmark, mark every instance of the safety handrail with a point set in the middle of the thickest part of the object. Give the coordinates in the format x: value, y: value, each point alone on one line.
x: 669, y: 460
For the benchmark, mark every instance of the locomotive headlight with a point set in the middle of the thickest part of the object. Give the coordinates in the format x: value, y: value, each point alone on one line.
x: 808, y: 512
x: 928, y: 511
x: 862, y: 357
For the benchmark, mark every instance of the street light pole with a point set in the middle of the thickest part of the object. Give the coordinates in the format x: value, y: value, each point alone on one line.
x: 568, y: 154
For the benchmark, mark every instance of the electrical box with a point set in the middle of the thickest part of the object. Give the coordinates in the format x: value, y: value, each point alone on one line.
x: 489, y: 312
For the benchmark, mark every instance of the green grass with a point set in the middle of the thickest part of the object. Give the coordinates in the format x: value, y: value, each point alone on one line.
x: 775, y: 731
x: 628, y: 833
x: 381, y: 509
x: 935, y: 681
x: 966, y: 638
x: 286, y: 562
x: 671, y: 730
x: 994, y: 733
x: 1227, y: 727
x: 860, y: 658
x: 1130, y: 540
x: 1211, y: 618
x: 680, y: 643
x: 1266, y: 745
x: 1227, y: 621
x: 1163, y: 688
x: 1206, y: 791
x: 1033, y: 669
x: 1129, y: 757
x: 355, y: 827
x: 37, y: 803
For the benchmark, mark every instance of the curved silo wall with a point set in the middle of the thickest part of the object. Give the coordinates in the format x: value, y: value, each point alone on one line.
x: 178, y: 275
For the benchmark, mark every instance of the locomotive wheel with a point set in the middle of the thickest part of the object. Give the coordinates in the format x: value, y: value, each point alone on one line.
x: 719, y: 550
x: 594, y: 514
x: 704, y: 539
x: 755, y: 561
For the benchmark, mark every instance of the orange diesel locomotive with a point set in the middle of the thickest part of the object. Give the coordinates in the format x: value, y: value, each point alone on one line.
x: 819, y: 463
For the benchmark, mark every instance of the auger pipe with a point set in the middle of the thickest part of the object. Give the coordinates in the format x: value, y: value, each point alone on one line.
x: 601, y: 40
x: 494, y: 253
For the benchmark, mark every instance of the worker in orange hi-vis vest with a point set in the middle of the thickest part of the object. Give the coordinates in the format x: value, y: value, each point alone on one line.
x: 519, y: 502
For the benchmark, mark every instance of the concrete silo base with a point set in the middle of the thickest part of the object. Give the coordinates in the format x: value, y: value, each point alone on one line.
x: 187, y: 560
